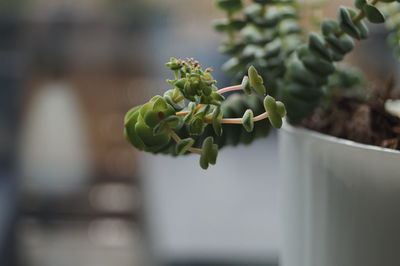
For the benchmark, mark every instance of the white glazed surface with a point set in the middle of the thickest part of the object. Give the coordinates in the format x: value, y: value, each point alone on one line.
x: 341, y: 201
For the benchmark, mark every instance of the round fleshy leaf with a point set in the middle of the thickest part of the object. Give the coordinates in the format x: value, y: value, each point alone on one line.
x: 203, y: 111
x: 209, y: 153
x: 218, y: 97
x: 256, y: 81
x: 281, y: 109
x: 130, y: 132
x: 196, y: 126
x: 216, y: 121
x: 173, y: 121
x: 178, y: 106
x: 363, y: 29
x: 151, y: 118
x: 360, y: 3
x: 149, y: 139
x: 273, y: 115
x: 212, y: 158
x: 204, y: 162
x: 230, y: 6
x: 184, y: 145
x: 373, y: 14
x: 346, y: 23
x: 131, y: 113
x: 145, y: 108
x: 247, y: 120
x: 190, y: 113
x: 173, y: 64
x: 180, y: 83
x: 155, y: 98
x: 318, y: 46
x: 329, y: 27
x: 207, y: 90
x: 160, y: 129
x: 246, y: 85
x: 160, y: 105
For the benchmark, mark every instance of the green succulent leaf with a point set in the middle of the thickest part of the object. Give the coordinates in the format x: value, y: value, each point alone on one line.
x: 173, y: 64
x: 173, y: 122
x: 256, y: 81
x: 346, y: 23
x: 246, y: 85
x: 230, y: 6
x: 247, y: 120
x: 318, y: 46
x: 151, y: 118
x: 274, y: 116
x: 150, y: 140
x: 196, y: 126
x: 132, y: 112
x: 216, y: 121
x: 160, y: 129
x: 373, y: 14
x: 209, y: 153
x: 360, y: 3
x: 329, y: 27
x: 184, y: 145
x: 363, y: 29
x: 281, y: 109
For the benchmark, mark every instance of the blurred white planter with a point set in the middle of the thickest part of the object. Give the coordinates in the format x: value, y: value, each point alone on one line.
x: 229, y: 212
x: 341, y: 201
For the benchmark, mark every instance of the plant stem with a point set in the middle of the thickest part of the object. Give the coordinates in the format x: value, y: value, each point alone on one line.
x: 198, y: 107
x: 231, y: 88
x: 177, y: 139
x: 239, y: 121
x: 221, y: 91
x: 227, y: 120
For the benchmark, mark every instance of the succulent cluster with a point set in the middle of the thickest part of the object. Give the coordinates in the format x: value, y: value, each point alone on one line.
x: 263, y: 36
x: 310, y: 66
x: 308, y: 69
x: 179, y: 122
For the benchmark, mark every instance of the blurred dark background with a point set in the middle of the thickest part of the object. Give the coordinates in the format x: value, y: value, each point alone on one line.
x: 72, y: 191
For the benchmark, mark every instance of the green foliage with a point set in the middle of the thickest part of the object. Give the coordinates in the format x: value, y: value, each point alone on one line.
x: 248, y: 122
x: 193, y: 114
x: 266, y: 43
x: 301, y: 95
x: 230, y: 6
x: 266, y: 33
x: 209, y: 153
x: 184, y: 145
x: 276, y: 111
x: 299, y: 75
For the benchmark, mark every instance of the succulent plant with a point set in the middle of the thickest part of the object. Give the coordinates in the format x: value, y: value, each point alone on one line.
x: 265, y: 42
x: 180, y: 121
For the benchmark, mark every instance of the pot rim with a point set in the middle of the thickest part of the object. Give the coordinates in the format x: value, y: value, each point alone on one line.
x: 303, y: 131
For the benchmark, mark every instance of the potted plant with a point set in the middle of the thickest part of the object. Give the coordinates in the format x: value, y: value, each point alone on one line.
x: 340, y: 185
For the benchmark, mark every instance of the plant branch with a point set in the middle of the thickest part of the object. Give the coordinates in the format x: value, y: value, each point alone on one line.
x: 228, y: 89
x: 239, y: 120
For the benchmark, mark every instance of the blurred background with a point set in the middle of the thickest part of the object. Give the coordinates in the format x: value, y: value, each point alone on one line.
x: 72, y: 191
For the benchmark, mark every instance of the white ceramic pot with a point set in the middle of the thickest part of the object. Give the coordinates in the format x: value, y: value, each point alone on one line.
x: 341, y: 201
